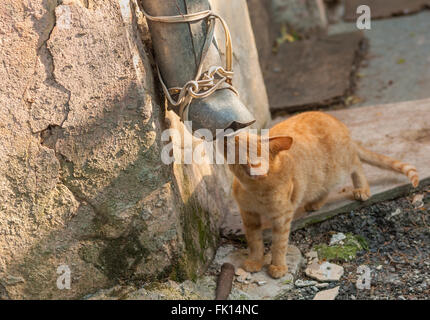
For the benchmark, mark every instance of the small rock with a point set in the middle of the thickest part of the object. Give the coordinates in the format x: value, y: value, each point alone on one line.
x: 261, y: 283
x: 417, y: 201
x: 242, y: 276
x: 294, y: 259
x: 324, y: 272
x: 13, y: 280
x: 337, y: 239
x: 239, y: 272
x: 304, y: 283
x: 330, y: 294
x: 315, y: 289
x: 401, y: 298
x: 241, y: 280
x: 322, y: 285
x: 395, y: 213
x: 353, y: 297
x: 379, y: 267
x: 312, y: 256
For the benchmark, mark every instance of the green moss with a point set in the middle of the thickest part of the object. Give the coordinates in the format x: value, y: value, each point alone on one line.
x: 117, y: 258
x: 174, y: 272
x: 346, y: 252
x: 90, y: 253
x: 199, y: 236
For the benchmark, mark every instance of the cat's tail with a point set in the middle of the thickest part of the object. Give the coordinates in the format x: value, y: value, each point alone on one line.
x: 385, y: 162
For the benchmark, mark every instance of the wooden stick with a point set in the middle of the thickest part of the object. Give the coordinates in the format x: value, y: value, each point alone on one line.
x: 225, y: 281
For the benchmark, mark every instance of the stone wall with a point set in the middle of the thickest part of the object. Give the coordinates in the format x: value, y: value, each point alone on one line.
x: 81, y: 181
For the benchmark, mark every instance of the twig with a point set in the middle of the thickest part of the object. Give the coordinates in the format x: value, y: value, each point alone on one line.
x: 225, y: 281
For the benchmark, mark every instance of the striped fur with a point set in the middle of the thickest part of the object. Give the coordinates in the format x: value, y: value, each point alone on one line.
x: 384, y: 162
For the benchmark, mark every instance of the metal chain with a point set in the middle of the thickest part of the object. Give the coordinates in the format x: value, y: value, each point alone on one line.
x: 203, y: 84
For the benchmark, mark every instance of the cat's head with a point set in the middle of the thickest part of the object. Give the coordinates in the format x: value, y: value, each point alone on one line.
x: 254, y: 157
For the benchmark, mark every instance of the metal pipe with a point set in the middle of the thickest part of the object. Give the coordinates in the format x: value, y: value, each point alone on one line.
x: 178, y: 49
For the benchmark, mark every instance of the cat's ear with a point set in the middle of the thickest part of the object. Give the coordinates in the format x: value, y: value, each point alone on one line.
x: 279, y: 143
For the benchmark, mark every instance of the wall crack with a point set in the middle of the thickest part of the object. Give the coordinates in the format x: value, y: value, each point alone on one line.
x: 46, y: 57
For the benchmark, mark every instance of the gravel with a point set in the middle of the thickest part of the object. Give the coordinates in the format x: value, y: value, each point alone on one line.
x: 398, y: 255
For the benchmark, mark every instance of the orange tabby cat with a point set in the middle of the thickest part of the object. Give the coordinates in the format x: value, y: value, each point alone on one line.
x: 308, y: 155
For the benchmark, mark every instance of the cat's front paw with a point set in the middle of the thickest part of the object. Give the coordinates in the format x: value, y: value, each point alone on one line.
x: 361, y: 194
x: 277, y: 271
x: 252, y: 265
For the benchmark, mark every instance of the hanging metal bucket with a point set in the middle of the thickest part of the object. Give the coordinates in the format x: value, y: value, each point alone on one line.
x: 188, y: 58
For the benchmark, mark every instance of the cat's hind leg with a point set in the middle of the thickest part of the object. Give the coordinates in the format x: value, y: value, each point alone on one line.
x: 317, y: 204
x: 361, y: 186
x: 254, y: 237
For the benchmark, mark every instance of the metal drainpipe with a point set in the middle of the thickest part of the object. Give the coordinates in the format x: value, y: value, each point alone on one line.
x: 178, y: 49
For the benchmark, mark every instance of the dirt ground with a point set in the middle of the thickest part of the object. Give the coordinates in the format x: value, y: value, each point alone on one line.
x: 397, y: 234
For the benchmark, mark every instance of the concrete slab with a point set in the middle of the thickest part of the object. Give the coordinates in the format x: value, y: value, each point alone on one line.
x: 382, y: 9
x: 397, y: 65
x: 310, y: 73
x: 263, y: 28
x: 399, y: 130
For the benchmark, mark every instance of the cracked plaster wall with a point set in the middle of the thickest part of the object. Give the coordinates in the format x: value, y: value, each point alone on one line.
x: 81, y: 182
